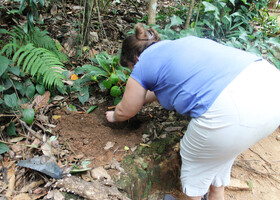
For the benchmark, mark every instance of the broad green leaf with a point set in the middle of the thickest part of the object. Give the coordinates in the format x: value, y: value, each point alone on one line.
x: 71, y: 107
x: 121, y: 75
x: 1, y: 101
x: 11, y: 130
x: 15, y: 70
x: 4, y: 63
x: 114, y: 78
x: 107, y: 84
x: 2, y: 88
x: 175, y: 20
x: 233, y: 2
x: 274, y: 41
x: 3, y: 31
x: 117, y: 100
x: 3, y: 148
x: 40, y: 89
x: 83, y: 95
x: 115, y: 91
x: 28, y: 115
x: 91, y: 108
x: 209, y: 7
x: 30, y: 91
x: 11, y: 100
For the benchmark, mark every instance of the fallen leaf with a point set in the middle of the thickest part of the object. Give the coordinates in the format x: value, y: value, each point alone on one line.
x: 44, y: 165
x: 56, y: 117
x: 41, y: 100
x: 145, y: 145
x: 126, y: 148
x: 47, y: 150
x: 74, y: 77
x: 58, y: 98
x: 16, y: 139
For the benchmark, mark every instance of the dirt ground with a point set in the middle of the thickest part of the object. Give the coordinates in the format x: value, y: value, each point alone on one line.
x: 259, y: 166
x: 88, y: 134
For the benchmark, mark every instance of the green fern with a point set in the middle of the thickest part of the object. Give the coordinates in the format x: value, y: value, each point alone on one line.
x: 37, y: 37
x: 40, y: 62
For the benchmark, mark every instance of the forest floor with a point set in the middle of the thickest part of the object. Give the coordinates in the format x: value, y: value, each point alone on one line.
x: 89, y: 137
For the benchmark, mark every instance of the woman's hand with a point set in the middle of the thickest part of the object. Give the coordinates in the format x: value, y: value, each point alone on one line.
x: 132, y: 101
x: 110, y: 116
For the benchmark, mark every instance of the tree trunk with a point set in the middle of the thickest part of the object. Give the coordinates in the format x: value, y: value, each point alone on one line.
x: 152, y: 12
x: 189, y: 15
x: 88, y: 5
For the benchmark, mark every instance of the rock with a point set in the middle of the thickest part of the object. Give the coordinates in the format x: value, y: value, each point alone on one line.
x: 238, y: 185
x: 278, y: 137
x: 100, y: 173
x: 109, y: 145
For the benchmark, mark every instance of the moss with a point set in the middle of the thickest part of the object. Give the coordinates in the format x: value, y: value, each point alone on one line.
x: 69, y: 196
x: 161, y: 145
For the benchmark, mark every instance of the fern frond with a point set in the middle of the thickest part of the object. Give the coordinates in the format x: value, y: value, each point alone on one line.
x: 7, y: 47
x: 42, y: 63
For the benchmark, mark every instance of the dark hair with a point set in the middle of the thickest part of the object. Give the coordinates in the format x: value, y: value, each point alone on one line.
x: 135, y: 44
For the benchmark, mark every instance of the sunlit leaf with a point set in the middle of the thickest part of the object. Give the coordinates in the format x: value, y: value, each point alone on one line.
x: 175, y: 20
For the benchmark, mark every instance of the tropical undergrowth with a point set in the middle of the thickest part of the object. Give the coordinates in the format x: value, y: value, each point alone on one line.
x: 242, y: 24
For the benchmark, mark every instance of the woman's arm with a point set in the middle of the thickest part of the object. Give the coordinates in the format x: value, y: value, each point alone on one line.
x: 132, y: 101
x: 150, y: 97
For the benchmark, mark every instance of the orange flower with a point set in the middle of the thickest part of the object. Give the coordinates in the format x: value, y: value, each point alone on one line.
x: 74, y: 77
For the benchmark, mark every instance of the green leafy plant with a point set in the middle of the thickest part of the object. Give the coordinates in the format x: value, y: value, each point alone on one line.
x: 30, y: 7
x: 106, y: 72
x: 15, y: 91
x: 36, y: 36
x: 40, y: 62
x: 236, y: 23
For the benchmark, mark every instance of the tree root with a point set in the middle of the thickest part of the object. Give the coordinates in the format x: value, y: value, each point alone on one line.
x: 90, y: 190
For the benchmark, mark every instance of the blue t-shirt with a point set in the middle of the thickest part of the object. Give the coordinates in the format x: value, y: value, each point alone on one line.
x: 188, y: 74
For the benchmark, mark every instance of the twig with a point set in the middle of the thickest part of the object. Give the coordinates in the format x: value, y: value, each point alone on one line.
x: 267, y: 175
x: 25, y: 145
x: 70, y: 147
x: 7, y: 115
x: 30, y: 130
x: 260, y: 156
x: 112, y: 107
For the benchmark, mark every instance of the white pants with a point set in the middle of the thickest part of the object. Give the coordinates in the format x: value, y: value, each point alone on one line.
x: 245, y: 112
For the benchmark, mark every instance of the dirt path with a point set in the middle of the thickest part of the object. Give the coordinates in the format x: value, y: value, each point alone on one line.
x: 88, y: 135
x: 260, y: 167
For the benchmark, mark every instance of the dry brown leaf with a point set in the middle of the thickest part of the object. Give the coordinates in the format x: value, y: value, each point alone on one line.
x: 25, y: 105
x: 92, y: 52
x: 41, y: 100
x: 11, y: 185
x: 31, y: 186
